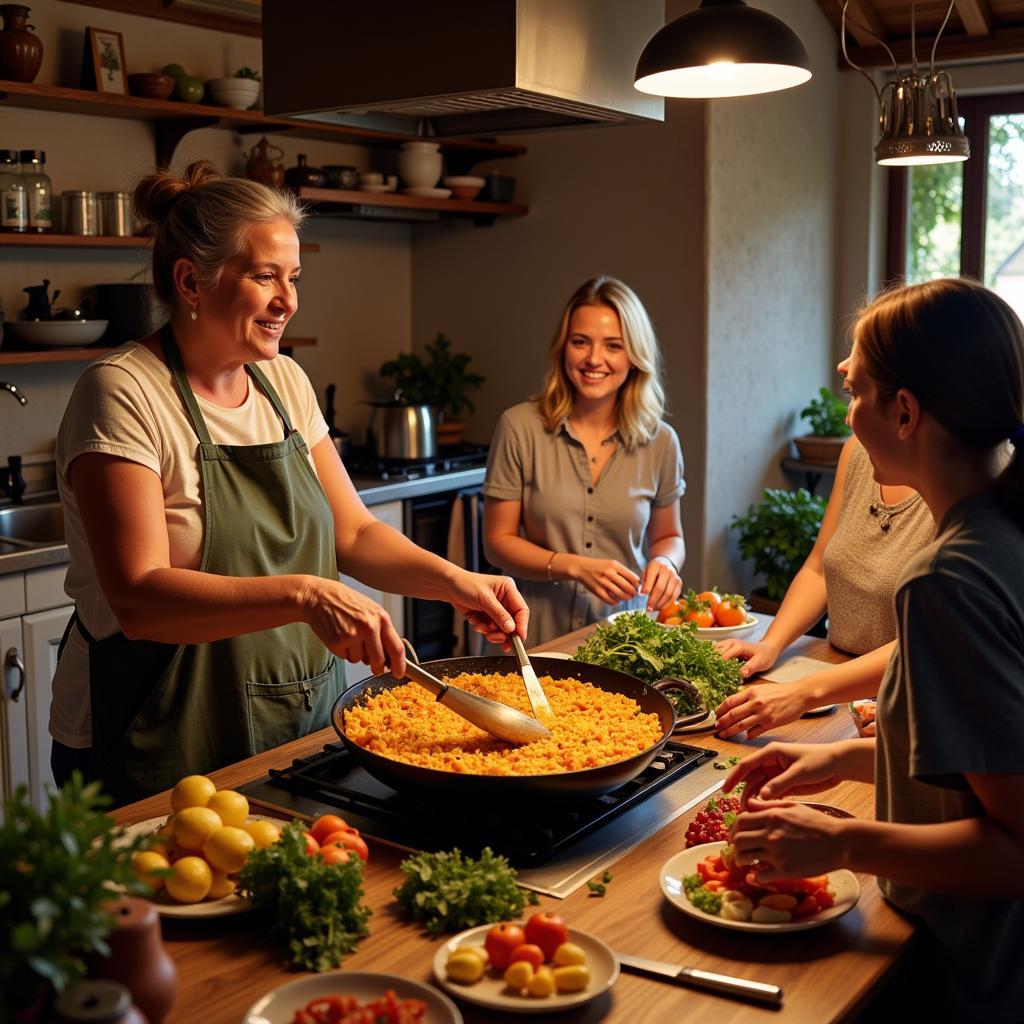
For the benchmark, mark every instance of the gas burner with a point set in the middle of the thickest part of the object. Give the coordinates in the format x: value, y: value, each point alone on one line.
x: 361, y: 462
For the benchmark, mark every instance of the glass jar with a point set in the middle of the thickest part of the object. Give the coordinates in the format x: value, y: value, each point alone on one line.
x: 13, y: 201
x: 38, y: 190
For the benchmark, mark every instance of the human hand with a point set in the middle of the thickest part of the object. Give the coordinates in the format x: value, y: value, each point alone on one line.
x: 492, y: 605
x: 782, y: 768
x: 756, y: 657
x: 786, y: 840
x: 606, y: 578
x: 353, y: 627
x: 661, y: 583
x: 756, y: 709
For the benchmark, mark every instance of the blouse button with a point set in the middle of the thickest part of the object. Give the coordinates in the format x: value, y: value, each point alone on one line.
x: 590, y: 490
x: 588, y: 545
x: 590, y: 519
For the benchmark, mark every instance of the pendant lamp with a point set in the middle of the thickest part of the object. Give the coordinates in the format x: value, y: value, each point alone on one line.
x: 917, y: 112
x: 724, y: 48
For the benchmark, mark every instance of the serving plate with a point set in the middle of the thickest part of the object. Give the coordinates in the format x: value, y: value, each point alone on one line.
x: 706, y: 633
x: 279, y: 1005
x: 491, y: 992
x: 670, y: 877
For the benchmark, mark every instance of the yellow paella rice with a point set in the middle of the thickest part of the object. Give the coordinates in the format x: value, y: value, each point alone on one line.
x: 589, y: 727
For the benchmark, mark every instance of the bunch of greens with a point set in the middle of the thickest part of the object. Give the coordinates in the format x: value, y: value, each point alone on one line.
x: 636, y: 644
x: 826, y: 415
x: 57, y: 869
x: 448, y: 891
x: 247, y: 72
x: 316, y: 907
x: 441, y: 379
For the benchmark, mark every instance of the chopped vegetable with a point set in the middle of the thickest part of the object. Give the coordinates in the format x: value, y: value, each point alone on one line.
x: 448, y: 891
x: 314, y: 906
x: 385, y: 1009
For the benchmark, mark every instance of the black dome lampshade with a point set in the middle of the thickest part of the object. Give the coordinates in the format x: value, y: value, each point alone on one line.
x: 724, y: 48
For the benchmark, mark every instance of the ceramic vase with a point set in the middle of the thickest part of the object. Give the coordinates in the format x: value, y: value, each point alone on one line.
x: 419, y: 164
x: 21, y: 52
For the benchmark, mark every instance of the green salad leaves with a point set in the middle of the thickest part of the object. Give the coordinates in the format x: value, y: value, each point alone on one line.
x: 636, y: 644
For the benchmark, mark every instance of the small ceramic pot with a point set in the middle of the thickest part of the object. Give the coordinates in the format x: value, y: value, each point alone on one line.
x: 340, y: 176
x: 21, y: 52
x: 419, y: 164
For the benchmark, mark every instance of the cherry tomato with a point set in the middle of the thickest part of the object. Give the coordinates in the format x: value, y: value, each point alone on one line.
x: 672, y: 620
x: 530, y: 953
x: 671, y: 611
x: 501, y: 942
x: 732, y: 611
x: 348, y: 839
x: 325, y: 825
x: 548, y: 931
x: 704, y: 618
x: 713, y: 597
x: 312, y: 846
x: 334, y: 854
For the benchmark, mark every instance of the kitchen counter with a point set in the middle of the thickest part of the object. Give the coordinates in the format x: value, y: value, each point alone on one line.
x: 827, y: 974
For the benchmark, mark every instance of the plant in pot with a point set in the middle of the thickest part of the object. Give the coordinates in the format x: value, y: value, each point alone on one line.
x: 827, y: 417
x: 58, y: 868
x: 441, y: 380
x: 777, y: 535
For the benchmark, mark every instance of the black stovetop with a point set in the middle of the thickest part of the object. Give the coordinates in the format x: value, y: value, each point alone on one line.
x: 331, y: 780
x: 361, y: 462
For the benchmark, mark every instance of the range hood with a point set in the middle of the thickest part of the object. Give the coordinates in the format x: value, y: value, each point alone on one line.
x: 459, y: 67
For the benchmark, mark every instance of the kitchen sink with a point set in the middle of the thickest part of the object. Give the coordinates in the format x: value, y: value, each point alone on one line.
x: 31, y: 526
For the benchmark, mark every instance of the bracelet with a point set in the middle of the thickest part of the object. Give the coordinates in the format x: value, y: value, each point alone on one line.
x: 668, y: 561
x: 547, y: 569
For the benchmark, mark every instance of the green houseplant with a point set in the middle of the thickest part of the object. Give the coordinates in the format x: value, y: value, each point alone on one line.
x: 440, y: 379
x: 778, y: 534
x: 827, y: 416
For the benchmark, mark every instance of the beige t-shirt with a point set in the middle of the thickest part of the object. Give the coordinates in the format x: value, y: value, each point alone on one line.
x: 127, y: 404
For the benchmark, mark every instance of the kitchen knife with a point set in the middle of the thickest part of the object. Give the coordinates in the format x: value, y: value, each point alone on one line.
x: 723, y: 984
x: 538, y: 700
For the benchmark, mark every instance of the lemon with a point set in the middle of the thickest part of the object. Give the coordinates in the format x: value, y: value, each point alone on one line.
x: 194, y: 825
x: 264, y: 833
x: 192, y: 791
x: 221, y: 886
x: 146, y: 862
x: 191, y: 880
x: 228, y: 848
x: 231, y: 806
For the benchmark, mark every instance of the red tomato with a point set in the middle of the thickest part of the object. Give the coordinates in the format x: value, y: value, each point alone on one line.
x: 732, y: 611
x: 713, y: 597
x: 325, y: 825
x: 672, y: 620
x: 348, y: 839
x: 673, y: 610
x: 548, y: 931
x: 312, y: 846
x: 501, y: 942
x: 704, y: 618
x: 335, y: 854
x: 529, y: 952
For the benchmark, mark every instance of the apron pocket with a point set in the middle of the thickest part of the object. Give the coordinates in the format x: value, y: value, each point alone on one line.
x: 280, y: 712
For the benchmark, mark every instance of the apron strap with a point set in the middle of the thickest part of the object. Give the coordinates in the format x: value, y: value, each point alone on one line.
x: 275, y: 399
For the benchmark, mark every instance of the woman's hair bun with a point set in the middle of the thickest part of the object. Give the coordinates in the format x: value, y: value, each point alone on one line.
x: 157, y: 193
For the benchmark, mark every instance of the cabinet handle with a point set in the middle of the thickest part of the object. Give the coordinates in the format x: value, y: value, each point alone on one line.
x: 13, y: 660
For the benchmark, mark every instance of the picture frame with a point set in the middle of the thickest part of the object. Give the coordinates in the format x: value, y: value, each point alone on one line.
x: 103, y: 64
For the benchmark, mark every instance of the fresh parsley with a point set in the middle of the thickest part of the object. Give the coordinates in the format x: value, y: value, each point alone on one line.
x: 449, y: 891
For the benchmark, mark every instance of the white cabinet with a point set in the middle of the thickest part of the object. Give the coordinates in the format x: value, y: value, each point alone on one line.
x: 394, y: 604
x: 13, y: 715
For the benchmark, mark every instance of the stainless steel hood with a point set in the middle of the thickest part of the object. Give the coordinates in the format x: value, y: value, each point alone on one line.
x: 459, y: 67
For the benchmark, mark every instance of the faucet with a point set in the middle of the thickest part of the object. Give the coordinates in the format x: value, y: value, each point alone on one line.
x: 19, y: 395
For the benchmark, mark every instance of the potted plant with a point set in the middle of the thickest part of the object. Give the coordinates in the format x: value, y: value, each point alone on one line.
x: 778, y: 535
x: 57, y: 870
x: 827, y: 416
x: 441, y: 380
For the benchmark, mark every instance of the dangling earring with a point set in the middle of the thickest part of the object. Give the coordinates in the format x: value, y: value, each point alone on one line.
x: 195, y: 312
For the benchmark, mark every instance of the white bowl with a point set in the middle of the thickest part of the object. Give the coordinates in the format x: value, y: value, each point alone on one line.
x: 55, y: 333
x: 239, y: 93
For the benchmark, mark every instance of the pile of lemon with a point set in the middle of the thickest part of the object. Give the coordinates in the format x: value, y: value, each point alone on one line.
x: 203, y: 844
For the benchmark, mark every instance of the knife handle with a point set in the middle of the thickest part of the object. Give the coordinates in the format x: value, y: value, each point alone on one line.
x: 520, y: 650
x: 729, y: 985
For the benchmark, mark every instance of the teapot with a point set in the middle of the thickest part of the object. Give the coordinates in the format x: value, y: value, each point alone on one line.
x: 39, y: 302
x: 263, y: 163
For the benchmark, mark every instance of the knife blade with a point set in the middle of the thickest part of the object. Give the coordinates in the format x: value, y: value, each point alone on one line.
x: 723, y: 984
x: 538, y: 700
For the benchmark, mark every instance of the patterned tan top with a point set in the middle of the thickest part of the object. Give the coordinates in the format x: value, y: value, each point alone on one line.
x: 866, y: 556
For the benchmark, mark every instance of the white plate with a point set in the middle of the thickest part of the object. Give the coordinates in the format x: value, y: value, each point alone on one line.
x: 55, y: 333
x: 792, y: 669
x: 845, y: 884
x: 166, y: 907
x: 551, y: 654
x: 428, y: 193
x: 709, y: 633
x: 704, y: 725
x: 279, y: 1005
x: 491, y: 991
x: 376, y: 189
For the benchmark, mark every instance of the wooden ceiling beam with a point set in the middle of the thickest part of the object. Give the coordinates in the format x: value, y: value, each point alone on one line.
x: 975, y: 15
x: 861, y: 21
x: 1007, y: 42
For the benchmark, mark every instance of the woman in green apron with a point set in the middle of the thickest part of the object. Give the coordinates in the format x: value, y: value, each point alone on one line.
x: 208, y: 515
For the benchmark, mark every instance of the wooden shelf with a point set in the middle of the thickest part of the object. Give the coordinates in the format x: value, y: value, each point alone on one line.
x: 24, y: 357
x: 349, y: 202
x: 167, y: 10
x: 58, y: 241
x: 812, y: 471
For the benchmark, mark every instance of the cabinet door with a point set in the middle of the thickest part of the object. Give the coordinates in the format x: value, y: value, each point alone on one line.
x: 394, y: 604
x: 42, y: 633
x: 13, y: 702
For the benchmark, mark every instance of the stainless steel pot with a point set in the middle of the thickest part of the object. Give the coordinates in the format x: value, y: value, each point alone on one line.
x: 398, y: 430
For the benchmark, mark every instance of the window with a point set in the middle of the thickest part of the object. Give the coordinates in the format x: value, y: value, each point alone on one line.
x: 966, y: 218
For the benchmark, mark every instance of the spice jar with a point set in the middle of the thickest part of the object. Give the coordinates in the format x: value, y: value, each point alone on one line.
x: 38, y: 190
x: 114, y: 212
x: 78, y: 213
x: 13, y: 200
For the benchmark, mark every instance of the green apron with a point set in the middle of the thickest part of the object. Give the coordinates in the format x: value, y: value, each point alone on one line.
x: 161, y: 711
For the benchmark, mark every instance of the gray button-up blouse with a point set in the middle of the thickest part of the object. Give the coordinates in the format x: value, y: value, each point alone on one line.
x: 548, y: 472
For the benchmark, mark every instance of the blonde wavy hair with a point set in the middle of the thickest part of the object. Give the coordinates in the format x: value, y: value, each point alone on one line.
x: 640, y: 404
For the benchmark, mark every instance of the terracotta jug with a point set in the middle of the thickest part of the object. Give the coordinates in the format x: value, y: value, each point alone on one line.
x: 21, y: 53
x: 263, y: 163
x: 138, y: 959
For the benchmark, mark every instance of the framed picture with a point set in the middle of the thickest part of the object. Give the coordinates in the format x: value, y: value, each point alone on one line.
x: 103, y: 62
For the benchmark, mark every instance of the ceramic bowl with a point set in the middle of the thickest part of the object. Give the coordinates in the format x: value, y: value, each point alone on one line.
x: 56, y: 333
x: 464, y: 186
x: 863, y: 712
x: 151, y: 86
x: 238, y: 93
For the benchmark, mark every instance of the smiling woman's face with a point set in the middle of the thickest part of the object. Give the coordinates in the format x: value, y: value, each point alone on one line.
x: 595, y: 357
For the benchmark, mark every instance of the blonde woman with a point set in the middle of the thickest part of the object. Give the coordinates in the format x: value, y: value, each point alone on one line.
x: 583, y: 481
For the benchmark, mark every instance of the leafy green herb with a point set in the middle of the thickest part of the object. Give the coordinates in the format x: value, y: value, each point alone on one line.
x: 636, y: 644
x: 596, y: 888
x: 448, y: 891
x: 247, y: 72
x: 606, y: 877
x: 315, y: 907
x: 826, y: 415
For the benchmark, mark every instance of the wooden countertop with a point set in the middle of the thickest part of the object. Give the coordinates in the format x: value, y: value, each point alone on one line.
x: 225, y: 964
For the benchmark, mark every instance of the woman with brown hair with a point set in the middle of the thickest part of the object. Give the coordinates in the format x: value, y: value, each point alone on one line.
x: 936, y: 379
x: 208, y: 515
